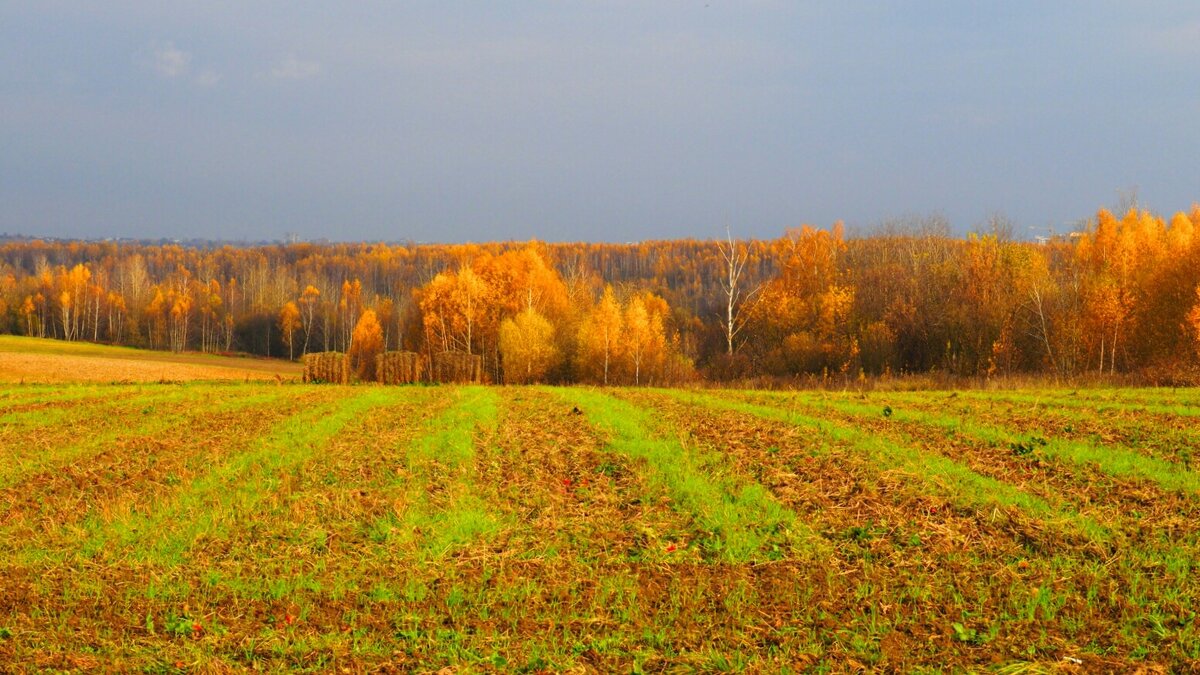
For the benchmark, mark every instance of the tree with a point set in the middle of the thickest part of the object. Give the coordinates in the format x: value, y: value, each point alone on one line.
x: 1039, y: 288
x: 289, y: 321
x: 599, y: 335
x: 308, y: 306
x: 385, y: 310
x: 156, y: 321
x: 453, y: 304
x: 72, y: 299
x: 349, y: 309
x: 116, y: 316
x: 210, y: 308
x: 527, y: 347
x: 181, y: 311
x: 804, y: 324
x: 644, y: 336
x: 64, y: 303
x: 28, y: 310
x: 738, y: 307
x: 366, y: 343
x: 1193, y: 319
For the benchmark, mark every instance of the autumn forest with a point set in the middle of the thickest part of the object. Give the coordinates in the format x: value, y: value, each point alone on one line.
x: 1119, y: 296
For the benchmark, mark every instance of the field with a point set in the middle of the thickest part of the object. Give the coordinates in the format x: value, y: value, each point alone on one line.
x: 38, y: 360
x: 209, y: 526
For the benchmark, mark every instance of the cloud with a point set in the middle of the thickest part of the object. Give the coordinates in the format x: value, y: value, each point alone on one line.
x: 170, y: 61
x: 292, y: 68
x: 208, y: 78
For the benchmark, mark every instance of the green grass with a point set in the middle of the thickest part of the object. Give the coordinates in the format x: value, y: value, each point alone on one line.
x: 943, y: 474
x: 116, y: 420
x: 739, y: 519
x: 222, y: 499
x: 1115, y: 461
x: 444, y: 456
x: 1086, y: 402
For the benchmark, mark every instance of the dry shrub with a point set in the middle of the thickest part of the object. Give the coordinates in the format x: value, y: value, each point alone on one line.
x: 327, y: 367
x: 398, y: 367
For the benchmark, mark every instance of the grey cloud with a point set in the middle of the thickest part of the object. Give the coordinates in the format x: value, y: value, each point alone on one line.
x: 293, y: 68
x: 170, y: 61
x: 208, y: 78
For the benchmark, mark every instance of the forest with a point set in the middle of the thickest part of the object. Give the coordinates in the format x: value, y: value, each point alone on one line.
x: 1118, y: 297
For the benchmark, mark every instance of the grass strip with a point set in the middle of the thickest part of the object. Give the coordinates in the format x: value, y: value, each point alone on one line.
x: 957, y: 482
x: 740, y: 520
x: 147, y: 414
x: 219, y: 499
x: 1114, y: 461
x: 1067, y: 399
x: 439, y: 508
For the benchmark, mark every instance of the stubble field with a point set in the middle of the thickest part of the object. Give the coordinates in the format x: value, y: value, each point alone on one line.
x: 209, y: 526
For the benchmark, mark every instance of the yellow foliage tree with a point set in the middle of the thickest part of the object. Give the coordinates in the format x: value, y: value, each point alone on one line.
x: 527, y: 347
x: 453, y: 306
x: 27, y: 311
x: 308, y: 300
x: 289, y: 321
x: 600, y: 337
x: 645, y: 339
x: 365, y: 344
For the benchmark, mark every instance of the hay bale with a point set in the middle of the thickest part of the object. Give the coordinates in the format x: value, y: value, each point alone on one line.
x: 327, y: 367
x: 398, y: 367
x: 458, y: 367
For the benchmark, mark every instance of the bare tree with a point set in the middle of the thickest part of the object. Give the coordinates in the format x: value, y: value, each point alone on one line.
x: 738, y: 308
x: 1040, y: 329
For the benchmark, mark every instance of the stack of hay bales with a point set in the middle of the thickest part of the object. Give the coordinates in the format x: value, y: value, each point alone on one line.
x: 398, y: 368
x: 458, y: 367
x: 329, y: 367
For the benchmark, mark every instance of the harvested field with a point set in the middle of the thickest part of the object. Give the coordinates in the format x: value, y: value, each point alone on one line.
x: 34, y: 360
x: 217, y: 526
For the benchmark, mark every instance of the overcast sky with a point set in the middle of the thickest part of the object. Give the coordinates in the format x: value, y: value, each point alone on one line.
x: 612, y: 121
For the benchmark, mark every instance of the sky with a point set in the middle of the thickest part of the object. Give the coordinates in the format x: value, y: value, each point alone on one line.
x: 588, y: 120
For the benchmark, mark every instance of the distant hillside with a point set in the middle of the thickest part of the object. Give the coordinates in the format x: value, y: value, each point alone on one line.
x: 24, y: 359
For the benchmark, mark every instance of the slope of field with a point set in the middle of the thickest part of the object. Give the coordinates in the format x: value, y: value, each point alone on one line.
x: 209, y: 526
x: 24, y: 359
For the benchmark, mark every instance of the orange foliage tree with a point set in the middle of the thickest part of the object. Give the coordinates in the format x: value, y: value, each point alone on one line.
x: 365, y: 344
x: 1193, y: 320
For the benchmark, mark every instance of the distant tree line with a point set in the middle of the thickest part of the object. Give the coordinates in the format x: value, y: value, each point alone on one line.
x: 1121, y: 295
